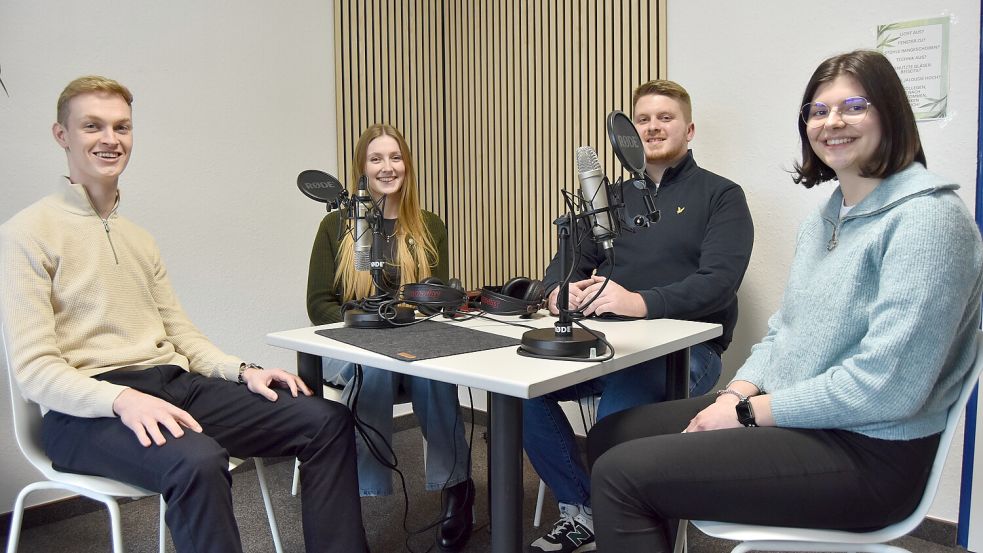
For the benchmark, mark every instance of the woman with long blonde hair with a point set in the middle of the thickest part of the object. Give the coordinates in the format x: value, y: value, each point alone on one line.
x: 415, y: 249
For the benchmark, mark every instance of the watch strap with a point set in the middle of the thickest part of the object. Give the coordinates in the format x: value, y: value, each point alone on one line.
x: 242, y: 369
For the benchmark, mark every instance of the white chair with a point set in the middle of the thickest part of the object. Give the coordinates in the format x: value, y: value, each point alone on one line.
x: 772, y: 538
x: 27, y: 431
x: 589, y: 403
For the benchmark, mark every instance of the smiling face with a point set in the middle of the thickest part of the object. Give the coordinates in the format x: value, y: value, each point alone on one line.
x: 845, y: 148
x: 97, y: 136
x: 384, y: 167
x: 664, y: 130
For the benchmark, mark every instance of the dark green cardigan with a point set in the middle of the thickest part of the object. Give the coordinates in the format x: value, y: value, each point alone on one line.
x: 323, y: 298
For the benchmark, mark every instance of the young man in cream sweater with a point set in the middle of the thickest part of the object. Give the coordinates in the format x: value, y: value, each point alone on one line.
x: 131, y: 388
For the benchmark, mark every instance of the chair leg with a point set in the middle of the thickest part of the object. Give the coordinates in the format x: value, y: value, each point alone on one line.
x: 115, y: 525
x: 296, y: 484
x: 538, y: 517
x: 681, y: 544
x: 264, y: 490
x: 17, y: 515
x: 163, y: 525
x: 16, y: 518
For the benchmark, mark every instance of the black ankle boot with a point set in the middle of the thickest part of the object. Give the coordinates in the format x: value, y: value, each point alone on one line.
x: 457, y: 508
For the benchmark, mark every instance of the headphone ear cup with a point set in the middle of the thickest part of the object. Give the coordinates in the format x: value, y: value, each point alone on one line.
x: 455, y: 283
x: 536, y: 291
x: 426, y: 309
x: 515, y: 287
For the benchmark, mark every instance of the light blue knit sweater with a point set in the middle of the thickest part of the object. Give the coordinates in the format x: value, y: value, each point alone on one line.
x: 877, y: 327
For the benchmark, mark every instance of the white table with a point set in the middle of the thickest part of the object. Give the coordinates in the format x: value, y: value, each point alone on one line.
x: 510, y: 378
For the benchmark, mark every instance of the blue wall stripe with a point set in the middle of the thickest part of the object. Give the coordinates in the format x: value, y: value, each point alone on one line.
x: 969, y: 437
x: 969, y: 454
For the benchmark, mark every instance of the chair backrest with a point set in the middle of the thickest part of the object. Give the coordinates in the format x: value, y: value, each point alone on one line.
x: 952, y: 421
x: 27, y: 418
x: 945, y: 442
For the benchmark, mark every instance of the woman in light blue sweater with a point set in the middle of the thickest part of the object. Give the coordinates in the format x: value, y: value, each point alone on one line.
x: 834, y: 420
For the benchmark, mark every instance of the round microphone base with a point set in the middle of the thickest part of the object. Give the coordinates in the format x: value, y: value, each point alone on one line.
x: 359, y: 318
x: 543, y: 342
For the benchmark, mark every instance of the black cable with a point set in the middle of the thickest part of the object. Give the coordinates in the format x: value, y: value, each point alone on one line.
x: 440, y: 520
x: 361, y: 426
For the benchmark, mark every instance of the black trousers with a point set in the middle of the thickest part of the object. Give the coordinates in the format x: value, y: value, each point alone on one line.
x: 192, y: 473
x: 645, y: 474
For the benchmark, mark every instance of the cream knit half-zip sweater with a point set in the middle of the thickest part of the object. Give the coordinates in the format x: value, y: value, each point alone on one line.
x: 80, y: 296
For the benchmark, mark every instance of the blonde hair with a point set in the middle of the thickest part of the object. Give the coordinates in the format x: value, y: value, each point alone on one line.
x: 662, y: 87
x: 416, y: 252
x: 88, y: 85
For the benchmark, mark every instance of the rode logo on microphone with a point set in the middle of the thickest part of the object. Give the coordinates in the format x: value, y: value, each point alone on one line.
x: 322, y: 184
x: 629, y: 141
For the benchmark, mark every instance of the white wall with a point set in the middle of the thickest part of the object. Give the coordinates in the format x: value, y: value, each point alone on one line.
x: 746, y: 65
x: 232, y: 101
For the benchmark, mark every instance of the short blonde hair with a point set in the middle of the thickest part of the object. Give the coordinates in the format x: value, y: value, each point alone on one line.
x: 661, y: 87
x: 87, y: 85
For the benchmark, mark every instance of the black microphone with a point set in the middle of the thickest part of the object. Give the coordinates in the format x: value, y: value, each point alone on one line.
x: 358, y: 214
x: 321, y: 187
x: 594, y: 192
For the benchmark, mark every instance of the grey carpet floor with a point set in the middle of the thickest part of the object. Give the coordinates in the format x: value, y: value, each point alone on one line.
x: 89, y: 531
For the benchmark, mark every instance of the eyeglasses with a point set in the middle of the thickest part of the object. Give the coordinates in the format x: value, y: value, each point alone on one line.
x: 851, y: 111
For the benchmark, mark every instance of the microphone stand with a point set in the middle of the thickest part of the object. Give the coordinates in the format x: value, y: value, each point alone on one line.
x: 371, y: 318
x: 563, y: 340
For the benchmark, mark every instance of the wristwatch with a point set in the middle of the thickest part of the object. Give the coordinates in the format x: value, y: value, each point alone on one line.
x: 745, y: 414
x: 243, y: 367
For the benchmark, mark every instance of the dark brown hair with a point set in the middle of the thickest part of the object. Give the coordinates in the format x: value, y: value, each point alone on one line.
x: 900, y: 144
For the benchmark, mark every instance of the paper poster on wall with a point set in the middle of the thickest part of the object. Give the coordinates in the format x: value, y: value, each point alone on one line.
x: 919, y: 51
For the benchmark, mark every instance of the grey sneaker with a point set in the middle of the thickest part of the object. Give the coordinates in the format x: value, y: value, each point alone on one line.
x: 570, y: 534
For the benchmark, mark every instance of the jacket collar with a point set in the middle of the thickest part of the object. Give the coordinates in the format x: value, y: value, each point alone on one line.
x: 681, y: 170
x: 73, y: 198
x: 914, y: 180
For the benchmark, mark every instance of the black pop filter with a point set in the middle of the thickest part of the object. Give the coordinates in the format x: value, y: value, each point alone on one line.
x: 626, y: 143
x: 320, y: 186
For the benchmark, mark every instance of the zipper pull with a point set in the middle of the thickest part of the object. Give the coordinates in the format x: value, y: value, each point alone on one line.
x: 832, y: 241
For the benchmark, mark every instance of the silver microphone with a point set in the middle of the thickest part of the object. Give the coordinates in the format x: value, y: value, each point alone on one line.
x: 363, y: 234
x: 594, y: 191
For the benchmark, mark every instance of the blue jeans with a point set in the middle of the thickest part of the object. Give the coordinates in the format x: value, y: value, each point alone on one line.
x: 437, y: 410
x: 548, y: 436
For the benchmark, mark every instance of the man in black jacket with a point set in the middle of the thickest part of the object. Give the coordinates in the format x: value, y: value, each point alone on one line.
x: 688, y: 265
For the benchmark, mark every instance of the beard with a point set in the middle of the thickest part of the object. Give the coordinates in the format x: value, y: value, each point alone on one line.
x: 666, y: 155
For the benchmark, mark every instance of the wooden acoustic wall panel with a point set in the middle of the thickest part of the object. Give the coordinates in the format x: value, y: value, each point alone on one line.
x: 494, y: 98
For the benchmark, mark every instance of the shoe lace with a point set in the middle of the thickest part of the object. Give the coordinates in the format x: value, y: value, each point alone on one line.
x: 561, y: 526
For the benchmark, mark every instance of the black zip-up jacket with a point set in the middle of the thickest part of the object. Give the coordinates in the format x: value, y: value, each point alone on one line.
x: 690, y: 264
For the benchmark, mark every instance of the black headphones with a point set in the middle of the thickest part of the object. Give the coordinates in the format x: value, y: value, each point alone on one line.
x: 431, y: 296
x: 518, y: 296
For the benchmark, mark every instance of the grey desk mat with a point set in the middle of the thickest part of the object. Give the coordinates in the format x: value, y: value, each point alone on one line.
x: 424, y: 340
